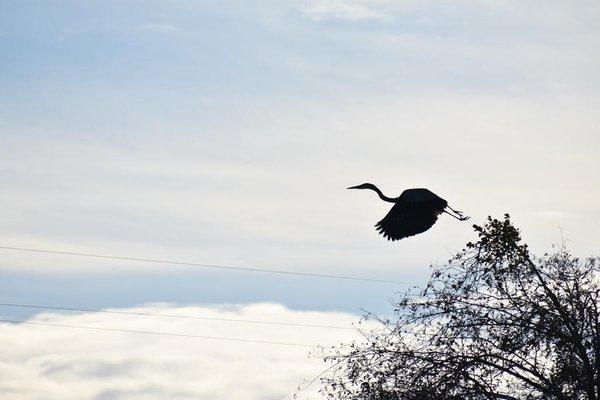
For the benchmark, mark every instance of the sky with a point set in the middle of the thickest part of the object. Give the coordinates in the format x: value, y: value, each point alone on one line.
x: 227, y: 132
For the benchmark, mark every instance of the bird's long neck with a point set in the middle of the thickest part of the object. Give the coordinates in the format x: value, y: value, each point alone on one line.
x: 381, y: 195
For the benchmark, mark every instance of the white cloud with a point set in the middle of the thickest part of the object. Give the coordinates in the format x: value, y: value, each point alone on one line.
x: 159, y: 27
x: 352, y: 10
x: 69, y: 363
x: 184, y: 198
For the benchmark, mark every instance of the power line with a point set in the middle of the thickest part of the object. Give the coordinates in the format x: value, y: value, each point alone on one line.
x: 201, y: 265
x: 157, y: 333
x: 174, y: 316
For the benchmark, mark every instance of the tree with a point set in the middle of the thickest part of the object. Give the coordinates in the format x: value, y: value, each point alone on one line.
x: 494, y: 322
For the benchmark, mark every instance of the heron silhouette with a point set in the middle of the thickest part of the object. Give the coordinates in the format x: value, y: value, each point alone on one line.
x: 414, y: 212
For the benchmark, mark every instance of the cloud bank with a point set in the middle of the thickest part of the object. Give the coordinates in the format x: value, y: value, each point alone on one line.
x: 68, y: 363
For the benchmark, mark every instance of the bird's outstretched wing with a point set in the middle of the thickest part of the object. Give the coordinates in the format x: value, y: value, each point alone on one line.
x: 407, y: 219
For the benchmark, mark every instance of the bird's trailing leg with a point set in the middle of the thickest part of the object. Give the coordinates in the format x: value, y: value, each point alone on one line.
x: 459, y: 215
x: 456, y: 211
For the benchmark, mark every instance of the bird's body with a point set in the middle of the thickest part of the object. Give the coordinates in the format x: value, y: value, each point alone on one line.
x: 414, y: 212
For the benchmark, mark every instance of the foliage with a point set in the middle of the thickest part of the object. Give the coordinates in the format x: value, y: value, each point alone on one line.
x: 493, y: 323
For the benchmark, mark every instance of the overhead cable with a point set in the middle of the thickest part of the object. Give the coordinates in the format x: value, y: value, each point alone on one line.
x: 201, y: 265
x: 157, y: 333
x: 197, y: 317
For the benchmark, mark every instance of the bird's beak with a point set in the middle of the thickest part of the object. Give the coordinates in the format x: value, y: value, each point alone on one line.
x: 353, y: 187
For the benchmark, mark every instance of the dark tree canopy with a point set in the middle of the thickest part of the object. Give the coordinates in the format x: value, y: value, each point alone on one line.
x: 494, y: 322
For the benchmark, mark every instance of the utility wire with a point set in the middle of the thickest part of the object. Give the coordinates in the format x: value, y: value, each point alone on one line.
x: 214, y: 266
x: 174, y: 316
x: 157, y: 333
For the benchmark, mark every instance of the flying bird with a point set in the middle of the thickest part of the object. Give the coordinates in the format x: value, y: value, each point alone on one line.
x: 414, y: 212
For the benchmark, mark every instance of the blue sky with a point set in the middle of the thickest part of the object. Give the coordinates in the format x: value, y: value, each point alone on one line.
x: 226, y: 133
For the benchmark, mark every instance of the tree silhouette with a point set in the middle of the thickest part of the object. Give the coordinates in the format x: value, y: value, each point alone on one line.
x: 494, y: 322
